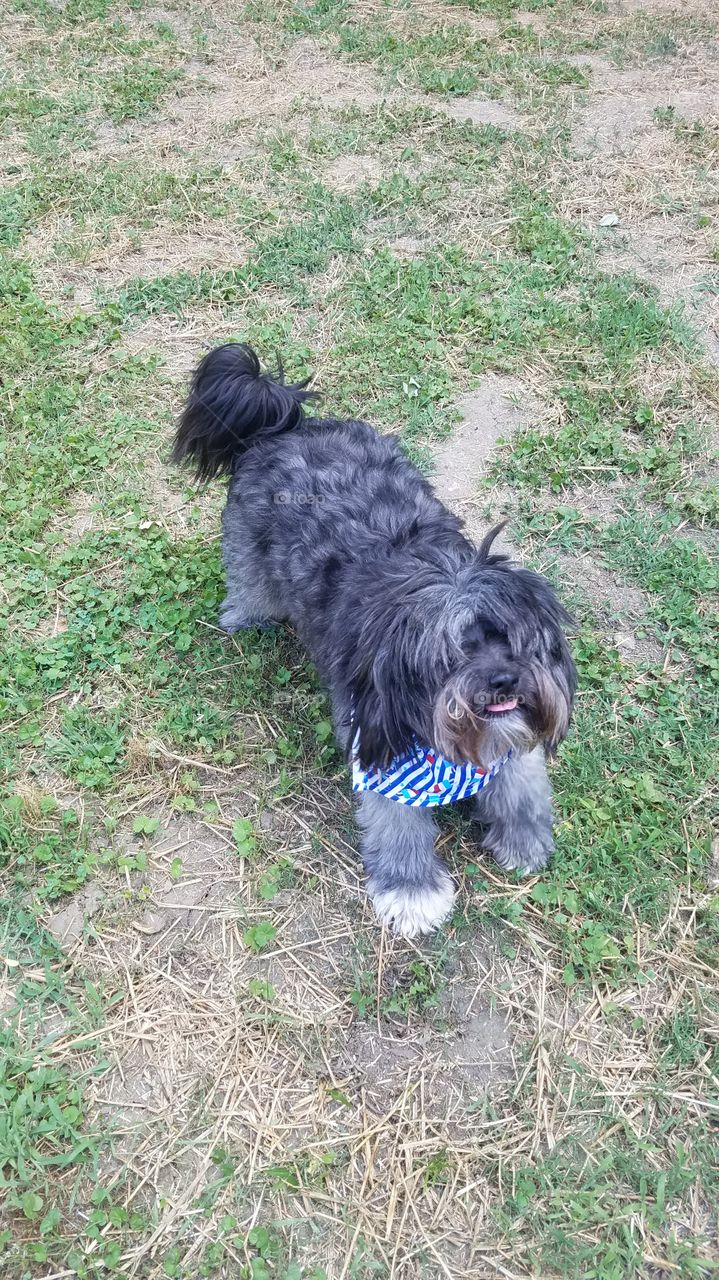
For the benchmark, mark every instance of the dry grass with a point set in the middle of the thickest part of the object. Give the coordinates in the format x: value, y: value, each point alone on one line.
x: 360, y: 1108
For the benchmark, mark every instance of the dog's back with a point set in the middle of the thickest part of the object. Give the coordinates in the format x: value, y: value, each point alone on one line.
x: 302, y: 483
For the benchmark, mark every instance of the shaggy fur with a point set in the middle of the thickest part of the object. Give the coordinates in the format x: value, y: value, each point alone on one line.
x: 417, y: 634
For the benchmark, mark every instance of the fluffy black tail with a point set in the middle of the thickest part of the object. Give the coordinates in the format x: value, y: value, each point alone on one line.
x: 231, y: 403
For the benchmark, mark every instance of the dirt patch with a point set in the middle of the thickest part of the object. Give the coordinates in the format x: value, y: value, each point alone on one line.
x: 594, y: 65
x: 192, y: 876
x: 15, y: 161
x: 68, y: 924
x: 699, y: 8
x: 490, y: 414
x: 180, y: 343
x: 265, y: 1049
x: 620, y: 607
x: 665, y: 251
x: 530, y: 18
x: 347, y: 173
x: 482, y: 1051
x: 193, y: 871
x: 618, y: 118
x: 409, y: 247
x: 157, y: 15
x: 219, y: 110
x: 211, y: 1045
x: 627, y: 164
x: 83, y: 514
x: 112, y: 265
x: 261, y: 91
x: 7, y: 1002
x: 305, y: 72
x: 480, y: 111
x: 478, y: 1044
x: 624, y: 160
x: 307, y: 970
x: 197, y: 888
x: 401, y: 18
x: 379, y: 1062
x: 134, y: 1093
x: 609, y: 590
x: 197, y: 123
x: 384, y: 1060
x: 163, y: 487
x: 167, y: 498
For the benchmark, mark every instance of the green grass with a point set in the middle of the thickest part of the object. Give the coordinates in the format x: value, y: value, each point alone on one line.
x: 581, y: 1210
x: 449, y: 61
x: 137, y: 90
x: 44, y: 1126
x: 122, y: 705
x: 92, y: 202
x: 453, y: 63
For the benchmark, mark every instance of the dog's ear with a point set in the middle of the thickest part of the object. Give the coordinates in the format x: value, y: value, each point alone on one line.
x: 385, y: 693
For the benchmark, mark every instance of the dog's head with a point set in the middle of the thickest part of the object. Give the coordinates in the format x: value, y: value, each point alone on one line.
x: 470, y: 659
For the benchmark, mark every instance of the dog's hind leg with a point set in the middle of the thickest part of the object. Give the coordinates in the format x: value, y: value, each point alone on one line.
x: 250, y: 601
x: 410, y: 887
x: 245, y: 607
x: 516, y: 810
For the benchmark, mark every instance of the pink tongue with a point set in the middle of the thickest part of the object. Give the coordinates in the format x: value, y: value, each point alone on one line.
x: 509, y: 705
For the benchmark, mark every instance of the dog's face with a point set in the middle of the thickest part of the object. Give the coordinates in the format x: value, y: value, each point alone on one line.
x: 503, y: 695
x: 471, y: 663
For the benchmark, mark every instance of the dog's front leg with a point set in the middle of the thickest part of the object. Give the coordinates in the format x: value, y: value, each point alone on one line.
x: 516, y: 809
x: 410, y: 887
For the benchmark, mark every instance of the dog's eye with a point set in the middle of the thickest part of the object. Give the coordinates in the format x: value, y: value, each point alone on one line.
x: 480, y: 636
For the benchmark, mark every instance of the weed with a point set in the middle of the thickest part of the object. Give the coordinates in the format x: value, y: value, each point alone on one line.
x: 87, y: 746
x: 145, y: 826
x: 41, y: 1127
x: 243, y: 836
x: 418, y: 990
x: 259, y: 936
x: 48, y: 856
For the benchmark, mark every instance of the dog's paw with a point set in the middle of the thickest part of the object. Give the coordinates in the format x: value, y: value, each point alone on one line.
x: 231, y: 623
x: 522, y: 850
x: 411, y: 912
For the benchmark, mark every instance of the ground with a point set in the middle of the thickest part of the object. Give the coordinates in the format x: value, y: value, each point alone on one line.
x: 494, y: 230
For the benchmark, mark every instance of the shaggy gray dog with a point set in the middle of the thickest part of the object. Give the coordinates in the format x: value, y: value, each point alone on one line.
x: 432, y: 650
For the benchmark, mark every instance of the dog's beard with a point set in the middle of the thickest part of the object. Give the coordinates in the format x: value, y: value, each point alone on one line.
x: 466, y: 731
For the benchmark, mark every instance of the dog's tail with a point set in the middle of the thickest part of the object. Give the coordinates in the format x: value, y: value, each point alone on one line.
x: 231, y: 404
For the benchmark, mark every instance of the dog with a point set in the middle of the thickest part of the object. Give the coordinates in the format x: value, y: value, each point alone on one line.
x: 446, y: 664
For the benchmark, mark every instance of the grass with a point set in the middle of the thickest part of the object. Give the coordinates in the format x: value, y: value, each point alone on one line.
x: 449, y: 60
x: 212, y: 1062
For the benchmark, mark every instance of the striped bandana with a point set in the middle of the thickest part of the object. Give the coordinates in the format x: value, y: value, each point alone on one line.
x: 422, y: 777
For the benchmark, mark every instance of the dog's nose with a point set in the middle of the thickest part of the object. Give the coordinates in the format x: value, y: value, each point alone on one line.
x: 503, y: 682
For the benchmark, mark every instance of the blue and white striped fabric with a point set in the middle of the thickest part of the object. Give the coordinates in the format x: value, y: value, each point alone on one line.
x: 422, y: 777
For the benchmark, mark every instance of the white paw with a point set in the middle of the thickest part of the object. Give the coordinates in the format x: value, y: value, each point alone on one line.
x: 412, y: 912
